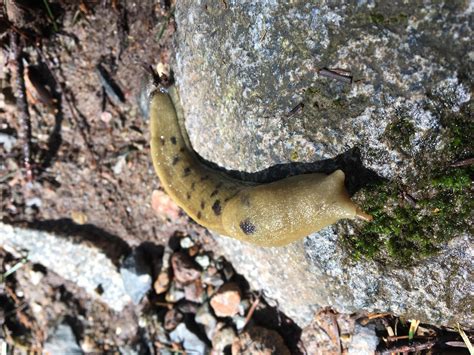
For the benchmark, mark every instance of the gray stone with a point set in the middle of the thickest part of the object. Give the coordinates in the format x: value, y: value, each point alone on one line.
x: 174, y: 293
x: 136, y: 275
x: 364, y: 341
x: 88, y: 267
x: 242, y: 68
x: 206, y: 319
x: 190, y: 341
x: 62, y: 341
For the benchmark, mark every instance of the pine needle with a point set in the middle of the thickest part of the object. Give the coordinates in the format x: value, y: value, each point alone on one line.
x: 466, y: 340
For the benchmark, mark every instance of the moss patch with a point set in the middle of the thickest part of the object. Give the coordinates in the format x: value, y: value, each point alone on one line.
x: 407, y: 229
x: 399, y: 133
x: 413, y: 221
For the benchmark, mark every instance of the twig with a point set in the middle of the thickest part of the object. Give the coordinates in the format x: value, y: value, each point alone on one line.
x: 464, y: 162
x: 402, y: 337
x: 22, y: 104
x: 251, y: 311
x: 332, y: 74
x: 408, y: 348
x: 298, y: 108
x: 465, y: 339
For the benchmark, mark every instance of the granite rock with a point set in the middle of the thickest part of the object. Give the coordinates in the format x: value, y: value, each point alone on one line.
x: 260, y: 63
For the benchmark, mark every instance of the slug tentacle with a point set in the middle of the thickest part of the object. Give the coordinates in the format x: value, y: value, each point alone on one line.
x: 273, y: 214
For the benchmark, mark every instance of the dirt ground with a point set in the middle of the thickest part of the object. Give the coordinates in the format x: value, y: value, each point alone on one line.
x: 85, y: 72
x: 91, y: 157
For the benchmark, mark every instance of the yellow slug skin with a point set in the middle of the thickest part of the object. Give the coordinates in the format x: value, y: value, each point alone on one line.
x: 200, y: 191
x: 273, y: 214
x: 281, y: 212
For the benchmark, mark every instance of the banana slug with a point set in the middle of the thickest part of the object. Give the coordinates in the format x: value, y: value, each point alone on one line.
x: 273, y: 214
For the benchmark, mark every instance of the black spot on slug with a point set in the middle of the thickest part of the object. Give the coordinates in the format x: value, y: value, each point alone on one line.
x: 182, y: 149
x: 173, y: 140
x: 203, y: 204
x: 188, y: 195
x: 175, y: 160
x: 214, y: 193
x: 186, y: 171
x: 193, y: 186
x: 199, y: 215
x: 205, y: 177
x: 162, y: 140
x: 217, y: 208
x: 247, y: 227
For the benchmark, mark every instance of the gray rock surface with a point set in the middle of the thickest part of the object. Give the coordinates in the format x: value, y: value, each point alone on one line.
x: 242, y: 67
x: 86, y: 266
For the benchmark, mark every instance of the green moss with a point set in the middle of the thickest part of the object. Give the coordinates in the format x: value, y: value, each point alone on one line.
x: 377, y: 18
x: 405, y: 231
x: 459, y: 128
x: 399, y: 133
x: 394, y: 19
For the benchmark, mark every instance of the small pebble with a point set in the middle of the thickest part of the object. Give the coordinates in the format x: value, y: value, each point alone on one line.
x: 187, y: 307
x: 190, y: 341
x: 119, y: 165
x: 136, y: 275
x: 226, y: 301
x: 172, y: 318
x: 203, y: 260
x: 106, y: 117
x: 194, y: 292
x: 36, y: 277
x: 7, y: 141
x: 259, y: 340
x: 223, y: 337
x: 34, y: 201
x: 162, y: 283
x: 174, y: 293
x: 206, y: 319
x: 212, y: 277
x: 79, y: 217
x: 186, y: 242
x: 239, y: 322
x: 185, y: 269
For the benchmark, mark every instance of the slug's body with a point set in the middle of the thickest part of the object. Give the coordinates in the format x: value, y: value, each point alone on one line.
x: 273, y: 214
